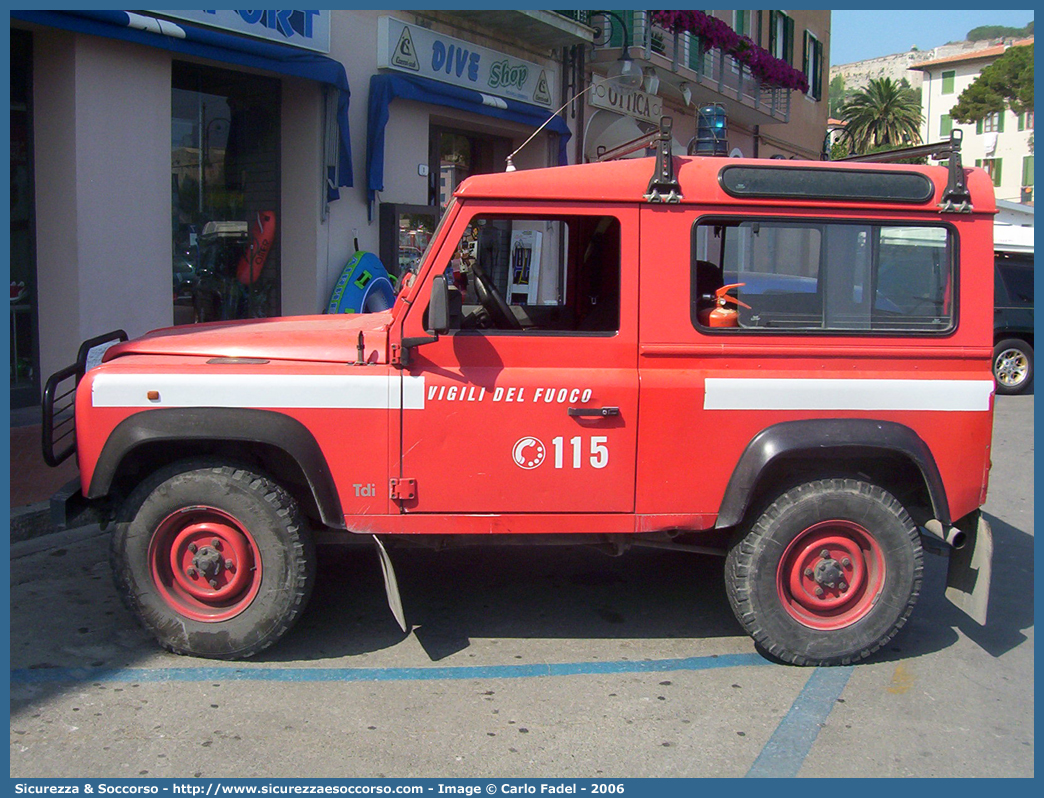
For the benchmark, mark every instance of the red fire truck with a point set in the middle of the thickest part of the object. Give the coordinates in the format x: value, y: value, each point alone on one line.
x: 784, y: 363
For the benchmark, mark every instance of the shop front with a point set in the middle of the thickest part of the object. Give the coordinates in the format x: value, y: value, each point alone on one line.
x: 186, y: 167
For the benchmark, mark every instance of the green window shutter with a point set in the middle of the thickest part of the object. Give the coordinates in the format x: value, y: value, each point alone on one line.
x: 818, y: 79
x: 1022, y: 122
x: 1000, y: 121
x: 773, y: 15
x: 996, y: 172
x: 947, y: 82
x: 1027, y: 170
x: 616, y: 38
x: 978, y: 126
x: 806, y: 67
x: 945, y: 125
x: 788, y: 40
x: 741, y: 23
x: 695, y: 53
x: 978, y: 162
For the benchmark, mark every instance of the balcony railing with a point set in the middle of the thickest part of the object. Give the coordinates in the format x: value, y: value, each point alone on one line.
x: 681, y: 54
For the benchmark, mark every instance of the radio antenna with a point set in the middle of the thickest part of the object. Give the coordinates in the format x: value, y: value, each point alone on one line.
x: 510, y: 165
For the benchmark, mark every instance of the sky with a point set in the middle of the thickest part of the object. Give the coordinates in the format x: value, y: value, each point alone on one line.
x: 858, y: 35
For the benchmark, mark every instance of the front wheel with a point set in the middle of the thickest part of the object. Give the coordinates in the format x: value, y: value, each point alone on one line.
x: 215, y: 561
x: 827, y: 574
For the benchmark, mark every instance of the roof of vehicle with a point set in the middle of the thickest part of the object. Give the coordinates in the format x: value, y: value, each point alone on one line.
x: 627, y: 180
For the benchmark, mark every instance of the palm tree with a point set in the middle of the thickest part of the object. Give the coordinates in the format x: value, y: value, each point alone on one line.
x: 884, y: 114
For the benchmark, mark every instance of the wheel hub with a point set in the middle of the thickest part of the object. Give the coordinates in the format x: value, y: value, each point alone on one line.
x: 830, y: 575
x: 1011, y: 367
x: 205, y: 564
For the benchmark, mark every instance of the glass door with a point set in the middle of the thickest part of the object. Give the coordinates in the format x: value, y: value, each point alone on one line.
x: 225, y: 147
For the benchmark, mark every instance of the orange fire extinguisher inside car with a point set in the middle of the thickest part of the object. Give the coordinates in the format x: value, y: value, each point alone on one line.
x: 722, y: 315
x: 262, y: 234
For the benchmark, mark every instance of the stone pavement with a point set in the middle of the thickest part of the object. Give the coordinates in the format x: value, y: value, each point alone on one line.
x: 33, y: 482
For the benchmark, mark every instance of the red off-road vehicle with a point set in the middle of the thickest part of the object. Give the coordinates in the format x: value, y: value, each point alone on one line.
x: 786, y: 363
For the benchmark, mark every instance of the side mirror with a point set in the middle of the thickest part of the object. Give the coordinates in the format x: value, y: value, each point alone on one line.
x: 438, y: 308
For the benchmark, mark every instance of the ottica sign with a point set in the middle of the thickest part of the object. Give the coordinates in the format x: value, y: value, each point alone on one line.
x: 309, y: 30
x: 419, y: 51
x: 637, y: 104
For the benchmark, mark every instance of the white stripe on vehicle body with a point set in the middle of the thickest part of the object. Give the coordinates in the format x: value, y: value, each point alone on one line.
x: 346, y: 392
x: 838, y: 394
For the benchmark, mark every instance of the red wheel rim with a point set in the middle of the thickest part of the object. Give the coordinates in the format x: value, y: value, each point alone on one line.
x: 831, y: 575
x: 205, y: 564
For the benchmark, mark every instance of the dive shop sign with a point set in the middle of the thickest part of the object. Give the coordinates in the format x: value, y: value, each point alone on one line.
x: 419, y: 51
x: 637, y: 104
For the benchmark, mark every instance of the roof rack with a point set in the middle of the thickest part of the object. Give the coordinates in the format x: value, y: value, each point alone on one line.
x: 956, y: 198
x: 663, y: 186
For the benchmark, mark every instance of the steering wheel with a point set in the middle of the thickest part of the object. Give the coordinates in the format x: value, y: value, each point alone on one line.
x: 499, y: 310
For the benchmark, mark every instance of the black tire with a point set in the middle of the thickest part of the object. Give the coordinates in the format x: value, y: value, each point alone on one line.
x: 1012, y: 366
x: 773, y: 573
x: 213, y: 560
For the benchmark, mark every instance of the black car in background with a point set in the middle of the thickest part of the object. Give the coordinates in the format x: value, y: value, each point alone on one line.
x: 1013, y: 321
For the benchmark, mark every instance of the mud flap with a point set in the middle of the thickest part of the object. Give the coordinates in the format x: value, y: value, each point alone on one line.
x: 968, y: 576
x: 391, y: 586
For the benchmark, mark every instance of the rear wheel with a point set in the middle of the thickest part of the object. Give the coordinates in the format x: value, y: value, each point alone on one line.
x: 1012, y: 366
x: 827, y: 574
x: 213, y: 560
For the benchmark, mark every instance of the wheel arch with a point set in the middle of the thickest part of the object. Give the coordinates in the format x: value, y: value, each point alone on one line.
x: 892, y: 454
x: 281, y: 445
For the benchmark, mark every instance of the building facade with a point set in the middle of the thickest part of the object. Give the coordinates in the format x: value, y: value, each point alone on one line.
x: 194, y: 166
x: 1002, y: 143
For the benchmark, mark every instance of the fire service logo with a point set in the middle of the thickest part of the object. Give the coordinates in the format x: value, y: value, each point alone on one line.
x: 528, y: 453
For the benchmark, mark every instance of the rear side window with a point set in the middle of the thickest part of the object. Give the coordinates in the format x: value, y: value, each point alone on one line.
x: 1017, y: 274
x: 824, y: 276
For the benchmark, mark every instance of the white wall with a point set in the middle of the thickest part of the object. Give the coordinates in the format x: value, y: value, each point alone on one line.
x: 1012, y: 144
x: 102, y: 142
x: 303, y: 285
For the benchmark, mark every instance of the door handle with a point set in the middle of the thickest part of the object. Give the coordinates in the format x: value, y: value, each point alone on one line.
x: 599, y: 412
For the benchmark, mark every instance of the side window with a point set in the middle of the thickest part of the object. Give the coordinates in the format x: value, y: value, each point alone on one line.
x: 537, y: 274
x: 821, y: 276
x: 1017, y: 274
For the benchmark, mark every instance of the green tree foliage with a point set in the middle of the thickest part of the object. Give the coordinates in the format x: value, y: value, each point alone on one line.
x: 998, y: 32
x: 838, y: 94
x: 883, y: 115
x: 1006, y: 83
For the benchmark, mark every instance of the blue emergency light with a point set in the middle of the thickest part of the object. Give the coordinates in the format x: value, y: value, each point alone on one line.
x: 712, y: 130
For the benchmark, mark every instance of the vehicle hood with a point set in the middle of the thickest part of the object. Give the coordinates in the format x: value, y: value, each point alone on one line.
x: 327, y: 339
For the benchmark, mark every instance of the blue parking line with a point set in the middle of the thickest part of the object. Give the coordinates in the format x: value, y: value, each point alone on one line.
x: 790, y: 744
x: 264, y: 674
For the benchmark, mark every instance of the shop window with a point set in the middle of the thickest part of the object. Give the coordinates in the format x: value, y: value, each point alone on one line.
x: 457, y: 154
x: 537, y: 274
x: 824, y: 276
x: 405, y: 233
x: 25, y: 381
x: 948, y: 80
x: 225, y: 145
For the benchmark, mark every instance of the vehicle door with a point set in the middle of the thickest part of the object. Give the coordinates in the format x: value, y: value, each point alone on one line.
x: 529, y: 403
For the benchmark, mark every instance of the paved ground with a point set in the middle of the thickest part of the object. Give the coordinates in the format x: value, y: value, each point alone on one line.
x: 556, y: 662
